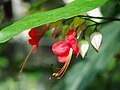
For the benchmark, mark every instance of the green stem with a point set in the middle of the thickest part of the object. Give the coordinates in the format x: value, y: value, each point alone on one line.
x: 96, y: 24
x: 105, y: 18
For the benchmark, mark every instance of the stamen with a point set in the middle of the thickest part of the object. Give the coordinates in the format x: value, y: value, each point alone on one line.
x: 51, y: 78
x: 23, y: 64
x: 61, y: 72
x: 64, y: 70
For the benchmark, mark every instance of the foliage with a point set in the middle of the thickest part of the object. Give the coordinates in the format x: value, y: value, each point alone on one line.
x: 73, y: 9
x: 81, y: 73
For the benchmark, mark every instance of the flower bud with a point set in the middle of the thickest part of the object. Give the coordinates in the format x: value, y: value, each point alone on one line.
x: 77, y: 21
x: 83, y: 45
x: 96, y: 39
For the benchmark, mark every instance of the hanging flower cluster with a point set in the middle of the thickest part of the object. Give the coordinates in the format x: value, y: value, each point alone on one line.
x: 72, y: 41
x: 64, y: 51
x: 36, y: 36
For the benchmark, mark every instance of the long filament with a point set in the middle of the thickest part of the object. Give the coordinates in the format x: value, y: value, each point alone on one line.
x: 61, y: 72
x: 23, y: 64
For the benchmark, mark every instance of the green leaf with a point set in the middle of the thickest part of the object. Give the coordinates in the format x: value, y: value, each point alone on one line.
x: 73, y: 9
x: 82, y: 73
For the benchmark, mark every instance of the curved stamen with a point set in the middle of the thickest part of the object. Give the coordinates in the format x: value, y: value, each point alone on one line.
x: 61, y: 72
x: 64, y: 70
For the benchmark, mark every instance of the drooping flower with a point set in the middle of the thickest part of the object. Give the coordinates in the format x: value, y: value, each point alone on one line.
x: 35, y: 37
x: 62, y: 48
x: 64, y: 51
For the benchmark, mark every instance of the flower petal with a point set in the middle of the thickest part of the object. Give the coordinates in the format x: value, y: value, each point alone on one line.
x: 73, y: 43
x: 36, y: 36
x: 71, y: 34
x: 62, y: 59
x: 61, y: 48
x: 34, y: 40
x: 32, y: 32
x: 40, y: 33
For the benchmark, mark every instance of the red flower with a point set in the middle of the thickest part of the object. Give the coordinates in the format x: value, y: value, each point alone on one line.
x: 36, y: 36
x: 64, y: 51
x: 62, y: 48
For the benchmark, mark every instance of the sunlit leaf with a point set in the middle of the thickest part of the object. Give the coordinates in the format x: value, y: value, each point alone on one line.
x: 73, y: 9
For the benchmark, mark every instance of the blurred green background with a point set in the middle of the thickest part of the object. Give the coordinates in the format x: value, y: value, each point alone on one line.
x: 98, y: 71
